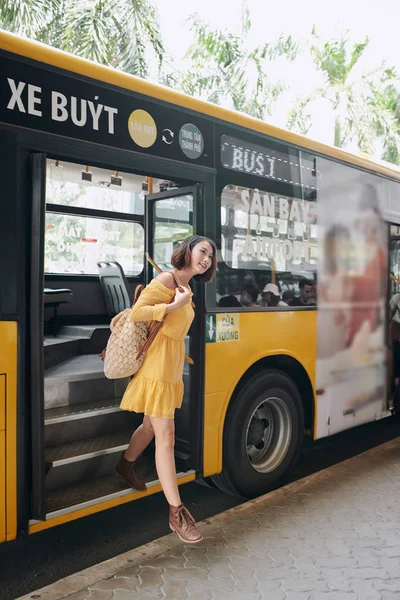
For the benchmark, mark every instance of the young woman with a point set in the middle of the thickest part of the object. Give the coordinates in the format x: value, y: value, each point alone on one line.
x: 270, y: 296
x: 157, y: 389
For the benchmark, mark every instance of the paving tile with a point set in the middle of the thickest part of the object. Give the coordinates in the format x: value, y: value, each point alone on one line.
x: 305, y: 584
x: 334, y: 596
x: 277, y: 573
x: 167, y: 561
x: 116, y: 583
x: 143, y: 595
x: 366, y: 557
x: 187, y: 574
x: 197, y: 595
x: 365, y: 589
x: 239, y: 596
x: 83, y: 595
x: 392, y: 585
x: 298, y: 596
x: 335, y: 579
x: 388, y: 552
x: 150, y: 578
x: 365, y: 573
x: 91, y: 595
x: 283, y: 557
x: 251, y: 562
x: 338, y: 548
x: 175, y: 589
x: 246, y: 585
x: 337, y: 562
x: 219, y: 568
x: 212, y: 586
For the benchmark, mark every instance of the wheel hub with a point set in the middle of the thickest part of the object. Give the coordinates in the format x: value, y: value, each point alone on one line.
x: 256, y: 432
x: 268, y: 434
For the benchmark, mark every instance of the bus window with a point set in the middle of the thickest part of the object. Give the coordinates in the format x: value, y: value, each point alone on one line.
x: 81, y: 224
x: 173, y: 223
x: 75, y: 244
x: 265, y: 239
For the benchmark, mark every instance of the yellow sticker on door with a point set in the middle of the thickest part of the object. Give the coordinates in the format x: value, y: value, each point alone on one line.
x: 223, y: 328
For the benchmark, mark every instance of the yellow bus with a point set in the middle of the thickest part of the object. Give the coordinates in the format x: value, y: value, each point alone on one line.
x: 97, y: 168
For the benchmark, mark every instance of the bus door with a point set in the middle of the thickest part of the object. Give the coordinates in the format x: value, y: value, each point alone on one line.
x: 170, y: 218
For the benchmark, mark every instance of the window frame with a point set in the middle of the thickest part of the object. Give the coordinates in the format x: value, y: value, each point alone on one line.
x: 107, y: 215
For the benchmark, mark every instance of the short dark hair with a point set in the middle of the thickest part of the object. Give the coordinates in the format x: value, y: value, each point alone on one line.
x: 304, y: 282
x: 229, y: 301
x: 182, y: 256
x: 288, y: 295
x: 252, y: 291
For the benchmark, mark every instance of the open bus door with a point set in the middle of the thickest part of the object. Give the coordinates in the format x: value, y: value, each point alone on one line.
x: 171, y: 216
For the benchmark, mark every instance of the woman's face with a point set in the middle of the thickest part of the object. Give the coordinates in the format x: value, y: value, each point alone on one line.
x: 202, y: 257
x: 245, y: 299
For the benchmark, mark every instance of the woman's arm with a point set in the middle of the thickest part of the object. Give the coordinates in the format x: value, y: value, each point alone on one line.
x: 154, y: 303
x: 150, y: 306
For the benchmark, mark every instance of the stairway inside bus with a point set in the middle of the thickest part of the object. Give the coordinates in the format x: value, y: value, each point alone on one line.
x: 85, y: 430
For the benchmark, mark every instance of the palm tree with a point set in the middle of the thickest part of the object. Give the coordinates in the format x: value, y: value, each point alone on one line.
x: 226, y: 70
x: 385, y: 109
x: 124, y: 34
x: 365, y: 105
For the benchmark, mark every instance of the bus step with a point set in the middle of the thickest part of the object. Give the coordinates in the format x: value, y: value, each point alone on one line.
x: 57, y: 350
x: 84, y: 460
x: 89, y: 459
x: 102, y: 489
x: 85, y: 449
x: 88, y: 420
x: 79, y: 379
x: 87, y: 492
x: 64, y: 414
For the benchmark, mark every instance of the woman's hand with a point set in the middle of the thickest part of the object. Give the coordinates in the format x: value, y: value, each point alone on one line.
x: 182, y: 297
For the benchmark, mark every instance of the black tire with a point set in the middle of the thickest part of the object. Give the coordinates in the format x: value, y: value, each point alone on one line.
x: 206, y: 482
x: 263, y: 435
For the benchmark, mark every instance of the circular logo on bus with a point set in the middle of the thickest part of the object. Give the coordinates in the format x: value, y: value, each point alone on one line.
x: 191, y: 141
x: 142, y: 128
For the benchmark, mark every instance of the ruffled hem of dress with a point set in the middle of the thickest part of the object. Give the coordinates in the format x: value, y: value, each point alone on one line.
x: 153, y: 398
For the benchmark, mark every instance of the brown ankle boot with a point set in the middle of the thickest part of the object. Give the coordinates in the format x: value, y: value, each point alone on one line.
x: 127, y: 471
x: 183, y: 524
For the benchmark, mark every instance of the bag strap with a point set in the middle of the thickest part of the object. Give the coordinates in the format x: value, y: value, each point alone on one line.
x: 138, y: 290
x: 156, y: 327
x: 178, y: 285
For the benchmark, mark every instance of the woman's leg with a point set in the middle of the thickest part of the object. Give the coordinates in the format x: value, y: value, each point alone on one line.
x: 164, y: 430
x: 180, y: 519
x: 140, y: 439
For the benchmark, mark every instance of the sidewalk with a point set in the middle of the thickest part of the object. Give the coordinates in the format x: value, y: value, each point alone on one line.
x: 333, y: 535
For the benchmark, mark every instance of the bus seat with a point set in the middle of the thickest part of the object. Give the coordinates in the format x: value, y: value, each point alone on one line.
x: 52, y: 299
x: 116, y: 290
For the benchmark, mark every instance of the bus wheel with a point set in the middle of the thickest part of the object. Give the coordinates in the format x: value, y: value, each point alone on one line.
x: 263, y: 435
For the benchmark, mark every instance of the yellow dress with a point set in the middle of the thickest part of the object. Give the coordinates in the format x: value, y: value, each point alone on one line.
x: 157, y: 389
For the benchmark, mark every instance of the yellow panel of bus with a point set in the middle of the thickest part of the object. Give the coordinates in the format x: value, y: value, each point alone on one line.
x: 8, y: 433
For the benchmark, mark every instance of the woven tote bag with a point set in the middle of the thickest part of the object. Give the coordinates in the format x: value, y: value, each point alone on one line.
x: 124, y: 344
x: 128, y: 342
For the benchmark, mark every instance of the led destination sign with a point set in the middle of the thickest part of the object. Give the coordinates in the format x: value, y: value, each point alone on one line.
x: 295, y: 168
